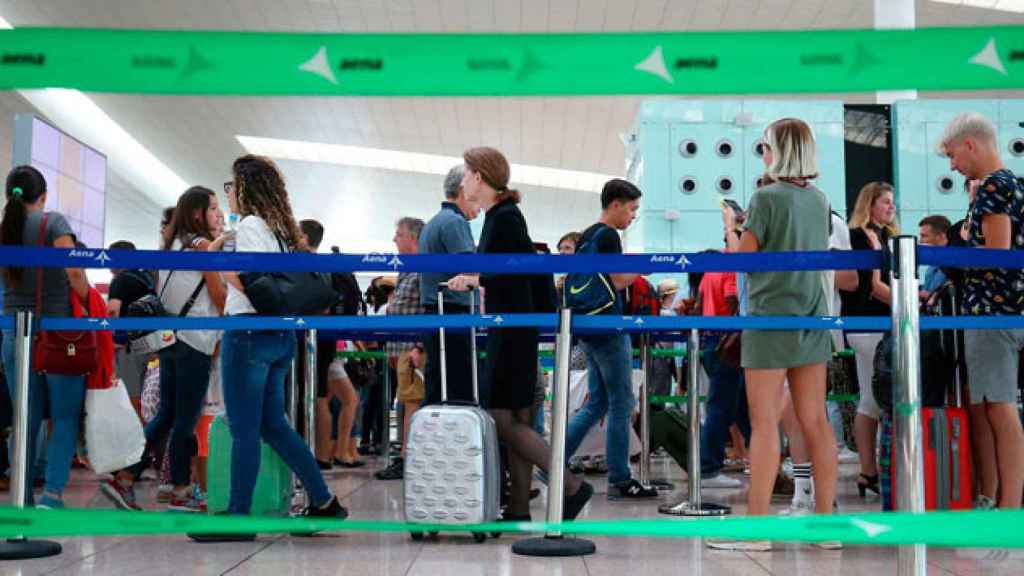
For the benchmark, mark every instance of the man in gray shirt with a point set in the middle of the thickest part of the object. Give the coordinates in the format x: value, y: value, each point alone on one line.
x: 448, y: 233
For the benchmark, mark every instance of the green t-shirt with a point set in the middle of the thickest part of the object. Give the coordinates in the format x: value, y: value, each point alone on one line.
x: 785, y: 217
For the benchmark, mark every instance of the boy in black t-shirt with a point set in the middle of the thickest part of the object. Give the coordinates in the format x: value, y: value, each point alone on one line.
x: 610, y: 356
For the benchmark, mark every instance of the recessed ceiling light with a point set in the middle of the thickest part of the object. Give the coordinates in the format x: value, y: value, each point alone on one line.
x: 402, y: 161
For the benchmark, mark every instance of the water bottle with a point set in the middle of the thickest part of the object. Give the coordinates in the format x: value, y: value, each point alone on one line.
x: 232, y: 227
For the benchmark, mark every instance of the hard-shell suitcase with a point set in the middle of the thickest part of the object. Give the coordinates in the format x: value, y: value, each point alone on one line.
x: 452, y: 469
x: 946, y: 438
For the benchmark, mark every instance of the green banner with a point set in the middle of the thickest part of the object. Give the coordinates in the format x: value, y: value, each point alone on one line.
x: 987, y: 529
x: 247, y: 63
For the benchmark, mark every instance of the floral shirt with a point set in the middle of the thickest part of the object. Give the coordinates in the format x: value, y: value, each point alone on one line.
x: 996, y: 291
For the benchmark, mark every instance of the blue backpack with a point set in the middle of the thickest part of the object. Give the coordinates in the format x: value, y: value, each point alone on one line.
x: 589, y: 292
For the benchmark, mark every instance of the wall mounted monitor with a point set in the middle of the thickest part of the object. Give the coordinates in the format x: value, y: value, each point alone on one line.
x: 76, y: 175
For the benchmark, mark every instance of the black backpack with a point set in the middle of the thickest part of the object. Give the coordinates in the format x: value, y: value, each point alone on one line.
x: 350, y: 297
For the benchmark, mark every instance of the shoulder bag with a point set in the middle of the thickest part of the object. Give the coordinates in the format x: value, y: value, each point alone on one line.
x: 288, y: 293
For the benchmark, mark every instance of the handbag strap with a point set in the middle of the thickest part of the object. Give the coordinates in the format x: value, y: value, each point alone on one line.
x: 195, y: 293
x: 39, y: 271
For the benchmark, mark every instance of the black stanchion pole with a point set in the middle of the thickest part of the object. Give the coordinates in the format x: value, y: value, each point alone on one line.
x: 20, y: 548
x: 693, y: 506
x: 554, y: 543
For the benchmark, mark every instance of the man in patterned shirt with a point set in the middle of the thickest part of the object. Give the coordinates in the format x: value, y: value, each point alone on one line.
x: 995, y: 220
x: 406, y: 358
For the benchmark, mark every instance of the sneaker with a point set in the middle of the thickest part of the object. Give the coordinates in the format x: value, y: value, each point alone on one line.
x: 164, y: 493
x: 574, y: 504
x: 739, y: 545
x: 186, y: 503
x: 394, y: 472
x: 983, y: 502
x: 595, y: 466
x: 799, y: 507
x: 50, y: 502
x: 720, y: 481
x: 122, y: 496
x: 333, y: 509
x: 631, y: 489
x: 847, y: 456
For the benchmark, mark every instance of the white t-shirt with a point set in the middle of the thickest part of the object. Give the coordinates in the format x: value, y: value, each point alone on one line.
x: 253, y: 235
x: 839, y: 240
x: 175, y: 289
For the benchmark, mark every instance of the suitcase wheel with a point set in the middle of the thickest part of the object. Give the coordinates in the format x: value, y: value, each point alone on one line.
x: 480, y: 537
x: 416, y: 536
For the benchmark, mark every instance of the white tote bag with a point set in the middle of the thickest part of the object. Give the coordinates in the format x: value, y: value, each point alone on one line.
x: 113, y: 433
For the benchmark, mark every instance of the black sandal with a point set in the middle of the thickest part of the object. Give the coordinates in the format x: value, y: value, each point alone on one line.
x: 865, y: 483
x: 353, y: 464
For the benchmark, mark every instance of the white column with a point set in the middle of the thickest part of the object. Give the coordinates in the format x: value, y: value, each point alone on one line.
x: 894, y: 15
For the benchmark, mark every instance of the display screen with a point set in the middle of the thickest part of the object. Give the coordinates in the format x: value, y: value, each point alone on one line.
x: 76, y: 180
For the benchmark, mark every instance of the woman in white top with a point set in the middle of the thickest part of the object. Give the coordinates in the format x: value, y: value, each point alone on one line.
x: 185, y: 365
x: 254, y: 363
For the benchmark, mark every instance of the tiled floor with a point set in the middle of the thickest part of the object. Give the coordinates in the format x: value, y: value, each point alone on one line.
x: 353, y: 554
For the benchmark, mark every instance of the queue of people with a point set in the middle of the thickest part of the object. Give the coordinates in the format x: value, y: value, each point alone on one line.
x: 757, y: 379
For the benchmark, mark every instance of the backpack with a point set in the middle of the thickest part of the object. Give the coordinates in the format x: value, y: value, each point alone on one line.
x: 590, y: 292
x: 642, y: 299
x: 350, y: 297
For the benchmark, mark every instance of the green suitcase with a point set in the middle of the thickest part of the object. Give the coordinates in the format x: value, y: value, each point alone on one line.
x: 273, y: 494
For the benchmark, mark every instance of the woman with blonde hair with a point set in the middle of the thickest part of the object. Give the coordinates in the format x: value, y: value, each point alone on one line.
x: 788, y: 214
x: 872, y: 225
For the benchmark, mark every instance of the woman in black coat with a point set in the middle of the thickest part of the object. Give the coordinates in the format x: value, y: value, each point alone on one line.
x: 511, y: 365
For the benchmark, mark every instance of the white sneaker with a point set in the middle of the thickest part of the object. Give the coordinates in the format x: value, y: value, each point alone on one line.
x: 739, y: 545
x: 847, y: 456
x: 720, y: 481
x: 799, y: 507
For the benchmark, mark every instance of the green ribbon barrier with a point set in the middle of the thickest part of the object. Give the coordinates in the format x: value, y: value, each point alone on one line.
x: 946, y: 529
x: 248, y: 63
x: 360, y: 355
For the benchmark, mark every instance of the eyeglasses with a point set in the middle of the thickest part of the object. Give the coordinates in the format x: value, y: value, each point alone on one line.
x: 229, y: 187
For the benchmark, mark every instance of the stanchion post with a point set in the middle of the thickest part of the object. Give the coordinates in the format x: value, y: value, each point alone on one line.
x: 310, y: 385
x: 554, y: 543
x: 909, y: 449
x: 385, y: 427
x: 645, y: 410
x: 19, y: 548
x: 693, y: 505
x: 293, y: 413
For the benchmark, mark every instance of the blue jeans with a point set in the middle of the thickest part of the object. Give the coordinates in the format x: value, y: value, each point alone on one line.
x: 254, y: 365
x: 64, y: 395
x: 610, y: 384
x: 726, y: 404
x: 184, y: 380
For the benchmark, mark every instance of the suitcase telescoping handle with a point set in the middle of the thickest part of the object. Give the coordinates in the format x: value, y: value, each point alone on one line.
x: 472, y: 346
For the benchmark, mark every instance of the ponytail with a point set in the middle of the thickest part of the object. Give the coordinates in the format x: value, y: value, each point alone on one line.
x: 25, y: 185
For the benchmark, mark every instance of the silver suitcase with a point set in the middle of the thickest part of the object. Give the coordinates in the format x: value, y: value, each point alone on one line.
x: 451, y: 459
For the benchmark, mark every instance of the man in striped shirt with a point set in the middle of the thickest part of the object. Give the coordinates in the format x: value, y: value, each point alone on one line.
x: 406, y: 358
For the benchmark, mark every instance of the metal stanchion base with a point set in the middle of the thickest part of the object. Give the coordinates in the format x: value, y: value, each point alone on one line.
x: 22, y: 549
x: 684, y: 508
x: 554, y: 546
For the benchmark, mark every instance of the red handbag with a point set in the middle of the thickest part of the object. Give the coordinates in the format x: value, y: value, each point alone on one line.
x: 64, y: 353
